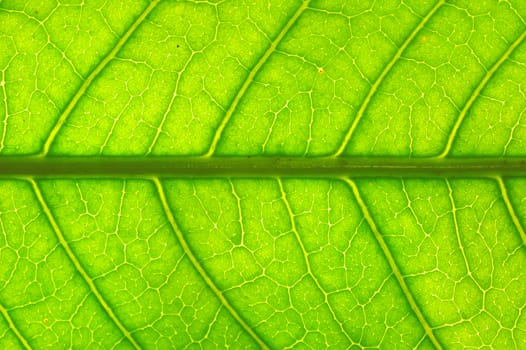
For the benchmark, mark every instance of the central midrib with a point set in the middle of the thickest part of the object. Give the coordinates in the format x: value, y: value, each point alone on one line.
x: 172, y: 166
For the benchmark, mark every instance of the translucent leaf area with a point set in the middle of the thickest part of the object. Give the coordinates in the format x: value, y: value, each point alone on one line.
x: 391, y: 261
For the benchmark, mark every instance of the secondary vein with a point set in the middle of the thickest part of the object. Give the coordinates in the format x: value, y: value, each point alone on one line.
x: 13, y: 327
x: 461, y: 246
x: 511, y: 210
x: 372, y: 91
x: 200, y: 270
x: 76, y: 263
x: 91, y: 77
x: 308, y: 265
x: 476, y: 93
x: 393, y: 265
x: 250, y: 78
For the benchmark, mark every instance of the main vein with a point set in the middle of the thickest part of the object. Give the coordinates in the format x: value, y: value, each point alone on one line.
x: 393, y: 265
x: 250, y: 78
x: 200, y: 270
x: 94, y: 73
x: 76, y: 263
x: 259, y: 166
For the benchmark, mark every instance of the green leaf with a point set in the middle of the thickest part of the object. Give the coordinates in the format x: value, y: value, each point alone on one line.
x: 262, y: 174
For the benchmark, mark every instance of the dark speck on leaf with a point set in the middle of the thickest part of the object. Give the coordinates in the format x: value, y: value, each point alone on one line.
x: 178, y: 46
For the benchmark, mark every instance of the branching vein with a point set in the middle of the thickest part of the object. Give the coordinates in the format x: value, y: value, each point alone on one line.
x: 394, y: 266
x: 13, y: 327
x: 76, y: 263
x: 200, y: 270
x: 91, y: 77
x: 250, y: 78
x: 372, y: 91
x: 511, y: 210
x: 476, y: 93
x: 307, y: 262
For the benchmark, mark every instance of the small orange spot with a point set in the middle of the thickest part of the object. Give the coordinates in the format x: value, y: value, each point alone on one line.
x: 321, y: 71
x: 46, y: 320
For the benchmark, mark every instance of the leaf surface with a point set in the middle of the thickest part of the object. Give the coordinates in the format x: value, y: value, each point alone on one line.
x: 264, y: 174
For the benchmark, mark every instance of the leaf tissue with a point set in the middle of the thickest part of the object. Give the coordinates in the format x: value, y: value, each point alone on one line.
x: 262, y: 174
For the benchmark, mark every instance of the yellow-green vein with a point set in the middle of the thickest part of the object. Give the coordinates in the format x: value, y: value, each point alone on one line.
x: 250, y: 78
x: 372, y: 91
x: 392, y: 263
x: 76, y: 263
x: 13, y: 327
x: 6, y: 111
x: 476, y: 93
x: 511, y: 210
x: 168, y: 108
x: 200, y: 270
x: 239, y: 212
x: 307, y: 262
x: 94, y: 73
x: 457, y: 233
